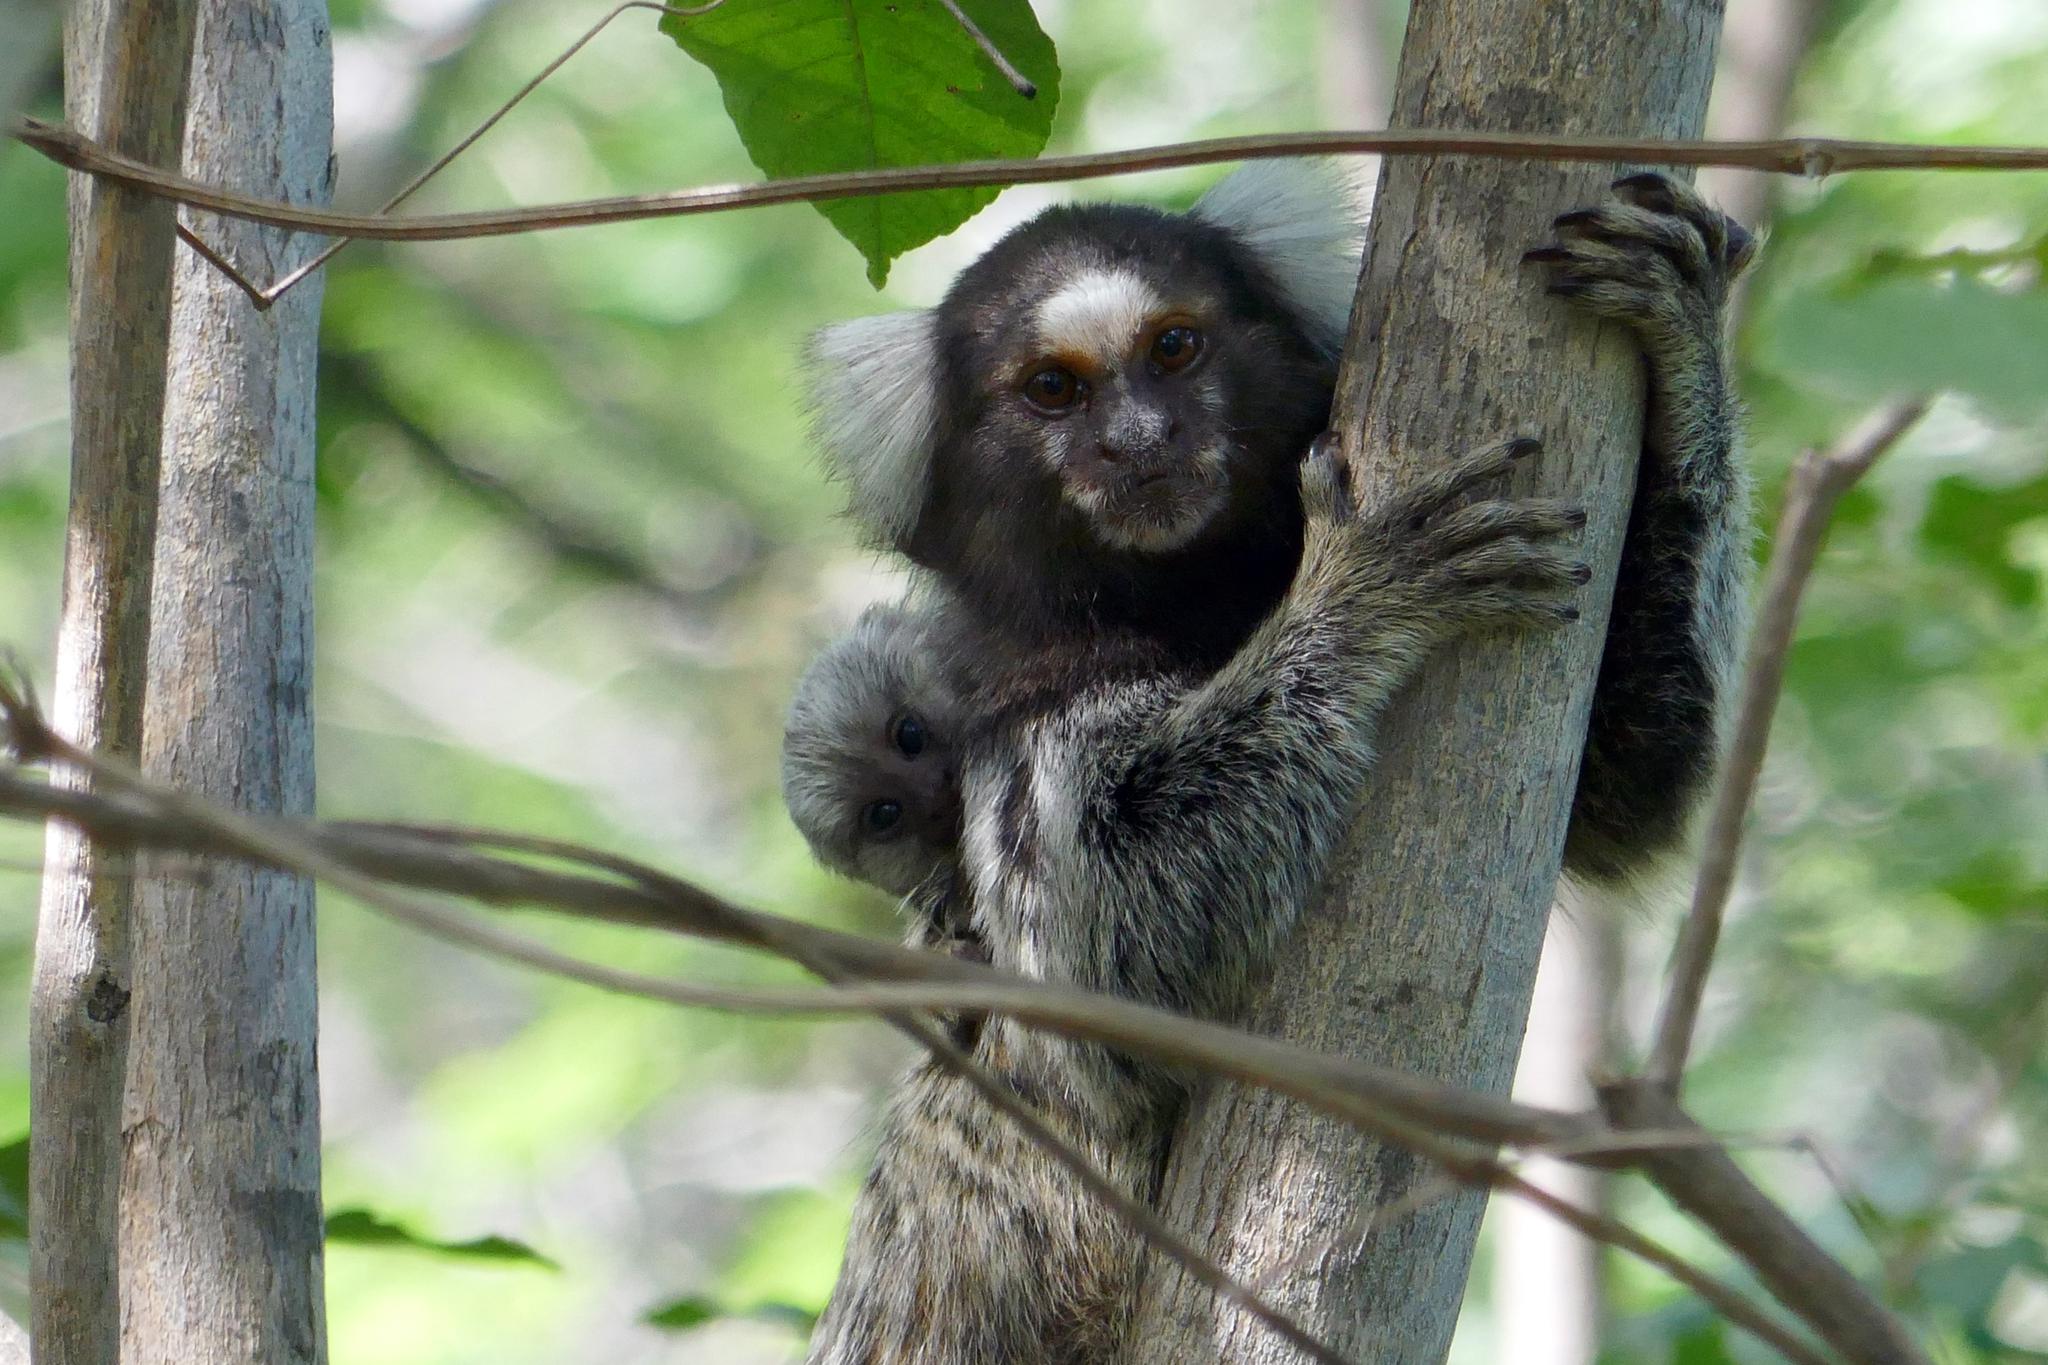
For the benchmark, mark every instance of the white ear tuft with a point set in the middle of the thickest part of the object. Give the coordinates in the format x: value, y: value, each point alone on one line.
x: 875, y: 409
x: 1305, y: 221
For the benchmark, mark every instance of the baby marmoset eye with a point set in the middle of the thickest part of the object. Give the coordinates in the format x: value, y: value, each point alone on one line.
x: 909, y: 735
x: 882, y: 819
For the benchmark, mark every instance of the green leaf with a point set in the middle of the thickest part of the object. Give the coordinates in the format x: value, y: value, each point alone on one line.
x: 842, y: 85
x: 360, y: 1227
x: 684, y: 1313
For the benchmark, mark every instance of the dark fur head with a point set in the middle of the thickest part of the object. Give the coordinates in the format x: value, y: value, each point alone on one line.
x: 870, y: 752
x: 1098, y: 430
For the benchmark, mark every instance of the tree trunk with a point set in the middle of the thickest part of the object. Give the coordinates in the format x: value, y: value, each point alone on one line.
x: 221, y: 1217
x: 124, y: 78
x: 1423, y: 954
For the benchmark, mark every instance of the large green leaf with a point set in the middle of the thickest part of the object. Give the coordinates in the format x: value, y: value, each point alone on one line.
x: 842, y: 85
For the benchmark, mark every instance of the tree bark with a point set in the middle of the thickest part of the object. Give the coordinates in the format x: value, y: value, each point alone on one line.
x: 124, y: 77
x: 1424, y: 950
x: 221, y: 1216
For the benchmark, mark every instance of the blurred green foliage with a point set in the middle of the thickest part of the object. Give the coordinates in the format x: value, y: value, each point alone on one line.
x: 361, y: 1227
x: 573, y: 550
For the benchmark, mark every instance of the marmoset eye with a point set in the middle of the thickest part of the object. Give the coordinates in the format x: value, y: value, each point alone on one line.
x: 1052, y: 389
x: 909, y: 735
x: 1176, y: 348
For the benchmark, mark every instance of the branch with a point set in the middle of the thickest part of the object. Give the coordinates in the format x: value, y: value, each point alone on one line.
x: 1706, y: 1183
x: 1812, y: 157
x: 284, y: 843
x: 957, y: 1062
x: 1818, y: 482
x: 353, y: 857
x: 1731, y: 1304
x: 263, y: 297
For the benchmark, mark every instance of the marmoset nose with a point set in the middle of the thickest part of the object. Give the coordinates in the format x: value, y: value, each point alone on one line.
x: 1135, y: 435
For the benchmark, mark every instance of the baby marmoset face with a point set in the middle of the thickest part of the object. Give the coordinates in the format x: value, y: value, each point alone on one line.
x: 870, y: 768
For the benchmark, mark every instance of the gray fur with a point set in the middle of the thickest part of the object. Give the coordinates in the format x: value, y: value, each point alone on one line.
x: 839, y: 754
x: 1662, y: 261
x: 970, y: 1246
x: 875, y: 411
x: 1306, y: 221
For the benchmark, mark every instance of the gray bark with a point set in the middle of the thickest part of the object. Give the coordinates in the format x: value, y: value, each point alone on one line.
x: 221, y: 1217
x: 124, y: 78
x: 1423, y: 954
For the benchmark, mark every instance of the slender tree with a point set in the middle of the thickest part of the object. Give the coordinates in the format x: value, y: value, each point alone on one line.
x: 124, y: 78
x: 1424, y: 954
x: 220, y: 1208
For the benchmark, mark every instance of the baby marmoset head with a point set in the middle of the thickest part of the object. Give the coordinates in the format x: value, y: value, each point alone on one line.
x: 870, y: 754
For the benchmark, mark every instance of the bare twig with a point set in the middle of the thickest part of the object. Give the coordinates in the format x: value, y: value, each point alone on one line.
x: 1818, y: 482
x: 1437, y: 1122
x: 957, y: 1062
x: 1019, y: 82
x: 1706, y: 1183
x: 1356, y: 1092
x: 278, y: 843
x: 254, y: 292
x: 1482, y: 1170
x: 1727, y: 1300
x: 265, y: 296
x: 1790, y: 156
x: 144, y: 813
x: 339, y: 854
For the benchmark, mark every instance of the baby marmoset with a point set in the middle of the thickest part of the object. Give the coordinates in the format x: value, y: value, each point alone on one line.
x: 870, y: 761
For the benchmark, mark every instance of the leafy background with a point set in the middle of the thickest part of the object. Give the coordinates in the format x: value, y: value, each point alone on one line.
x: 572, y: 553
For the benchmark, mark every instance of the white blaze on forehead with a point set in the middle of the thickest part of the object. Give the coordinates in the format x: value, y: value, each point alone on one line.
x: 1097, y: 314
